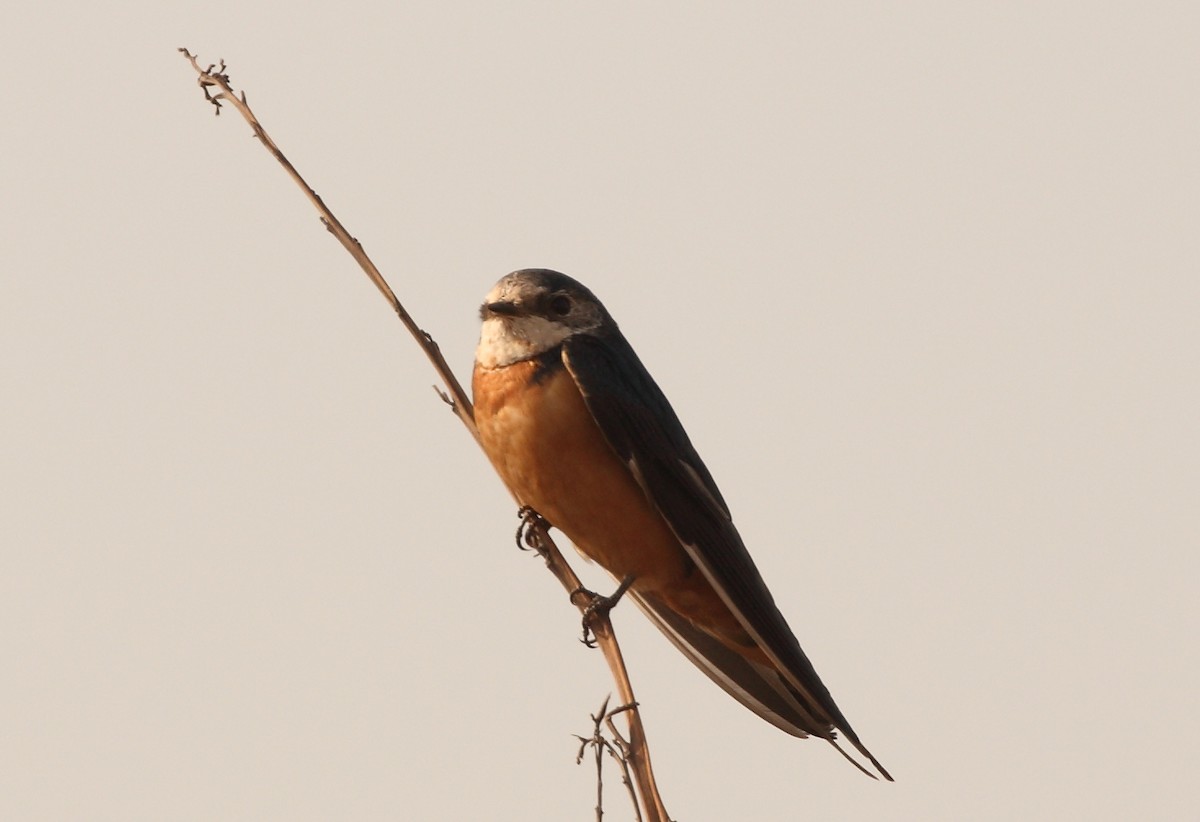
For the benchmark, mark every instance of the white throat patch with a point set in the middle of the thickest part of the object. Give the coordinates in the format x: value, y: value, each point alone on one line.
x: 506, y: 340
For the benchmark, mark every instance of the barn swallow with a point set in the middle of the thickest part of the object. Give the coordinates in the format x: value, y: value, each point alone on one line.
x: 578, y: 430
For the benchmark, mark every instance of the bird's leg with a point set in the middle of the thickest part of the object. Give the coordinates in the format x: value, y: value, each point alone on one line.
x: 527, y: 531
x: 599, y: 606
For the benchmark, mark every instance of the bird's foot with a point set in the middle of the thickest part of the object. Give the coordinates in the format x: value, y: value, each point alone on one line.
x: 527, y: 532
x: 598, y: 607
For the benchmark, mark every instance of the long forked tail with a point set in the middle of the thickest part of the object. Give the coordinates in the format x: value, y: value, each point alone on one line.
x: 759, y: 687
x: 858, y: 745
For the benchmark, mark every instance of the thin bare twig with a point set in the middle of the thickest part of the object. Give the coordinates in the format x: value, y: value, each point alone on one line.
x: 617, y: 749
x: 634, y: 752
x: 216, y: 76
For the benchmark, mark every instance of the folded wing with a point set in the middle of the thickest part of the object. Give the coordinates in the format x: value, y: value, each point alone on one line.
x: 640, y: 425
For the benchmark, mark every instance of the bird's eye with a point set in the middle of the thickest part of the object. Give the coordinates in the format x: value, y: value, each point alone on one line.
x: 561, y: 305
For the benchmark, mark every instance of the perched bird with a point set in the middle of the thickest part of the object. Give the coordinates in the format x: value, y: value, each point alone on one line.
x: 578, y: 429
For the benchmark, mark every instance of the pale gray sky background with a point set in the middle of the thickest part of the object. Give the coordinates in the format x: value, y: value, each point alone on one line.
x: 920, y: 278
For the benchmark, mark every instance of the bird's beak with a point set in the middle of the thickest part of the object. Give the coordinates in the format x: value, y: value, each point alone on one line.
x: 504, y: 309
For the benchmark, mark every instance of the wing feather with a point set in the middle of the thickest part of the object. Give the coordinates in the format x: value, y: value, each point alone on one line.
x: 642, y: 427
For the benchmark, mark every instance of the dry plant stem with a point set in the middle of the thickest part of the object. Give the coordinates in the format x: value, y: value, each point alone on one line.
x: 616, y: 749
x: 215, y: 76
x: 638, y: 750
x: 638, y: 755
x: 622, y: 752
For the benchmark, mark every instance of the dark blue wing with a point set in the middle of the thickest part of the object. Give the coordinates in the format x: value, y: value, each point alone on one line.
x: 640, y: 425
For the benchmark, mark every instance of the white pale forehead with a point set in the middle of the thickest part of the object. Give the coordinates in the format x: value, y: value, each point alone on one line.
x: 509, y: 288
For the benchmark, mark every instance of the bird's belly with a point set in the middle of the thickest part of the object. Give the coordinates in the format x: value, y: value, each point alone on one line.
x: 546, y: 447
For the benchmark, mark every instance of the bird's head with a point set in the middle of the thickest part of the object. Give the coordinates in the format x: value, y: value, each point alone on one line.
x: 532, y: 311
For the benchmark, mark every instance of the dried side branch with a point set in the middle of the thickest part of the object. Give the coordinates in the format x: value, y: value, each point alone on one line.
x: 616, y: 748
x: 634, y: 753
